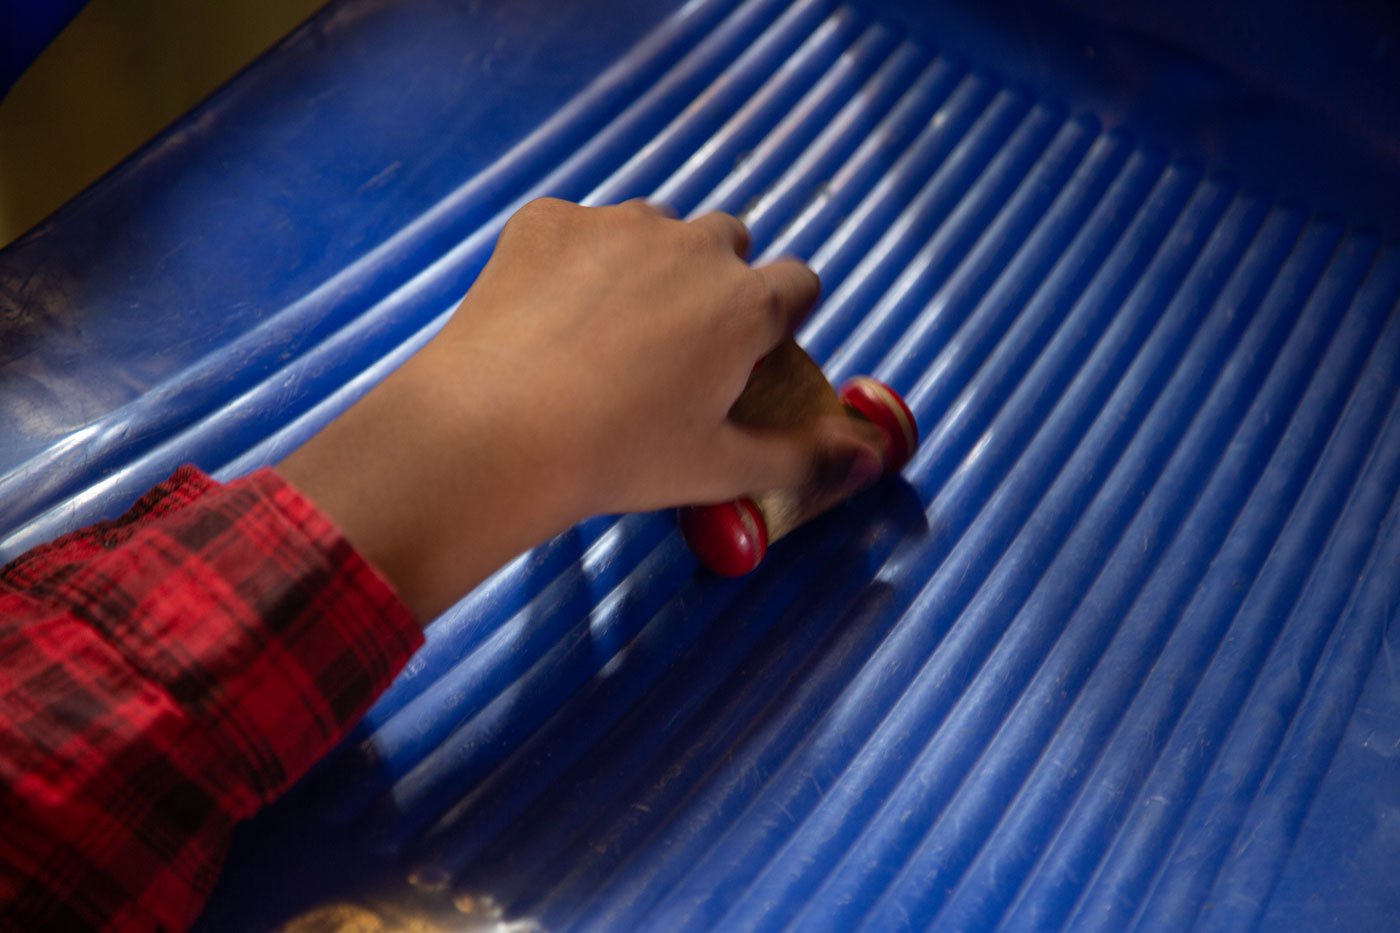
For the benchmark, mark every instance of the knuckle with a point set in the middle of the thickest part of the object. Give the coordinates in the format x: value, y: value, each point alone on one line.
x: 539, y: 210
x: 731, y: 229
x: 547, y: 206
x: 638, y: 207
x: 633, y: 215
x: 696, y: 240
x: 714, y: 230
x: 540, y: 220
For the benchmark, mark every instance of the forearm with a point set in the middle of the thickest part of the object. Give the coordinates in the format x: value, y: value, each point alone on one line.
x: 435, y: 486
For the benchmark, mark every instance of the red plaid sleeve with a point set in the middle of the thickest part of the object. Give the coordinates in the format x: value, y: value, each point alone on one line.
x: 164, y: 675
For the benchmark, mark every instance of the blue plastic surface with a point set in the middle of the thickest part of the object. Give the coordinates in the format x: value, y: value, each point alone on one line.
x: 1120, y: 652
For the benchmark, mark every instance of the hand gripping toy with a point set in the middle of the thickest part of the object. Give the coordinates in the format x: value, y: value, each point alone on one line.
x: 788, y: 390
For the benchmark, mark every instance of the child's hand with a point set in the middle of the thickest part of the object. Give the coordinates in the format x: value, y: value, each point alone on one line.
x: 589, y: 370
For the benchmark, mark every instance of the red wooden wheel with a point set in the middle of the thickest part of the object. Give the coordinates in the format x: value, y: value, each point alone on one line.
x: 730, y: 538
x: 881, y: 406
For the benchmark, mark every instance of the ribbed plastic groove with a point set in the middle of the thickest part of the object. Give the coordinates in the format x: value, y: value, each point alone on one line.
x: 977, y: 708
x: 787, y: 809
x: 1127, y: 565
x: 1140, y: 643
x: 1118, y: 368
x: 1068, y: 556
x: 405, y: 793
x: 926, y: 699
x: 805, y: 205
x: 1202, y: 623
x: 750, y: 145
x: 1093, y: 175
x: 1089, y: 667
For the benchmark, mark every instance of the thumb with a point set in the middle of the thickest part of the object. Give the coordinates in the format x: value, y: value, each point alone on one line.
x: 837, y: 454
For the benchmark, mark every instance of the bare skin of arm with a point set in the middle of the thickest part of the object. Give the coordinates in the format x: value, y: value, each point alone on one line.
x: 589, y: 371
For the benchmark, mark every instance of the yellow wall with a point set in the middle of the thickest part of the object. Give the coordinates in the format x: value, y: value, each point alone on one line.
x: 122, y: 71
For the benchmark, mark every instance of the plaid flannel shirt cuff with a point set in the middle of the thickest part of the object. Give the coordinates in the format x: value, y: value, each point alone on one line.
x: 252, y: 612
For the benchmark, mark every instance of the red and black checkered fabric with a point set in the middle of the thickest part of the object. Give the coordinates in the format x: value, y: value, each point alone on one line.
x: 164, y: 675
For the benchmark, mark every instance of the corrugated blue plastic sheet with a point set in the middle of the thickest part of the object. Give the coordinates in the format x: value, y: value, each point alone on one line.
x: 1121, y: 651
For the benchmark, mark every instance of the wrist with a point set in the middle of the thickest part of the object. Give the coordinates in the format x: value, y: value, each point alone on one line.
x: 502, y: 418
x: 434, y: 479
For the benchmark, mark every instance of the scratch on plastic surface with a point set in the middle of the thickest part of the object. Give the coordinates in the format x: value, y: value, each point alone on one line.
x: 382, y: 177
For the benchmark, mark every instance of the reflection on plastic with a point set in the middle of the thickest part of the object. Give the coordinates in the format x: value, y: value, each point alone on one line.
x: 425, y: 905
